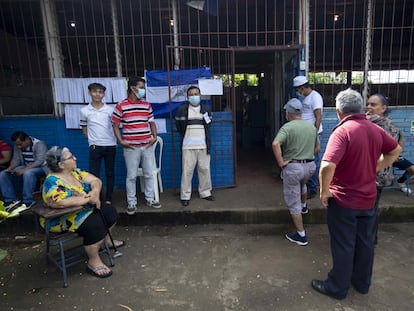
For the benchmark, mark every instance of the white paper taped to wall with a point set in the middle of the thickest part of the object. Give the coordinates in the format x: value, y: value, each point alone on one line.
x: 211, y: 86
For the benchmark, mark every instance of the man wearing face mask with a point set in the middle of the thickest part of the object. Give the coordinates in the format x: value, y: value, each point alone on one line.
x: 312, y: 112
x: 139, y: 133
x: 193, y: 122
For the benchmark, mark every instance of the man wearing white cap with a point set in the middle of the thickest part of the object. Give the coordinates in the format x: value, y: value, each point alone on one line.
x: 312, y: 112
x: 300, y: 142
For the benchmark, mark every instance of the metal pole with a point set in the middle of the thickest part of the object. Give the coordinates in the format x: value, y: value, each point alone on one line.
x: 53, y: 48
x: 175, y: 31
x: 304, y: 35
x: 368, y: 41
x: 118, y: 57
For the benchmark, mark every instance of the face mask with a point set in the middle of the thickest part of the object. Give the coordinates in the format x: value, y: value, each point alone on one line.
x: 140, y: 94
x: 194, y: 100
x: 300, y: 96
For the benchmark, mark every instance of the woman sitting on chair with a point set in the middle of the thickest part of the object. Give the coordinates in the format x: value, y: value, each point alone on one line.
x: 67, y: 186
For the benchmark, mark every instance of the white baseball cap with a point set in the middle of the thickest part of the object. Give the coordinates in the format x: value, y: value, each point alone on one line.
x: 299, y: 81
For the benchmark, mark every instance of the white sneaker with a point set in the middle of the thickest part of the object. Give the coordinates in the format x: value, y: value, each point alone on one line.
x: 153, y: 204
x: 404, y: 188
x: 131, y: 210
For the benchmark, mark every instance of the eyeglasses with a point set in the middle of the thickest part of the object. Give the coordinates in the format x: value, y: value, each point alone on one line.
x: 72, y: 157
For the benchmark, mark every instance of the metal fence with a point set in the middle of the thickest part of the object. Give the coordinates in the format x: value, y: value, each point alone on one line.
x: 102, y: 38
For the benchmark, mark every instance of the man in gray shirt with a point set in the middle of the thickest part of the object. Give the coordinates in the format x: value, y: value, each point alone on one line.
x: 25, y: 169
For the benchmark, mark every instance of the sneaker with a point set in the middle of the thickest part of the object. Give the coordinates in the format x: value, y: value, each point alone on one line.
x: 153, y: 204
x: 404, y: 188
x: 305, y: 209
x: 131, y: 209
x: 296, y: 238
x: 9, y: 206
x: 29, y: 204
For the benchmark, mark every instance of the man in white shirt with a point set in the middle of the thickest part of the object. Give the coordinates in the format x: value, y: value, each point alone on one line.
x: 312, y: 112
x: 95, y: 120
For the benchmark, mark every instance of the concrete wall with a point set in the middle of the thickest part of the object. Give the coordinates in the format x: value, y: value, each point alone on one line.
x: 53, y: 132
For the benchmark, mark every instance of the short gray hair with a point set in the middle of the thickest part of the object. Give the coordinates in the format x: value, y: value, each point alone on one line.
x: 349, y: 102
x: 53, y: 157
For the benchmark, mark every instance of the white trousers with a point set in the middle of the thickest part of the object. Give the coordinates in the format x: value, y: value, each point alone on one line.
x: 191, y: 158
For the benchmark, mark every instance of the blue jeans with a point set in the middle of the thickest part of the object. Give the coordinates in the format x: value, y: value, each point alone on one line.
x: 313, y: 182
x: 133, y: 157
x: 12, y: 183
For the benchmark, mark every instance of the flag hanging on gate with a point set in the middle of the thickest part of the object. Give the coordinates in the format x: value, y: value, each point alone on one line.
x: 180, y: 81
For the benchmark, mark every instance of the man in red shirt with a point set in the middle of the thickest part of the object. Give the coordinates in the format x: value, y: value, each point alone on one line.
x: 139, y: 133
x: 356, y: 150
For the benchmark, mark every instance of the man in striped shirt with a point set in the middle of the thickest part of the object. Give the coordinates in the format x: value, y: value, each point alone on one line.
x: 193, y: 122
x: 139, y: 133
x: 26, y: 168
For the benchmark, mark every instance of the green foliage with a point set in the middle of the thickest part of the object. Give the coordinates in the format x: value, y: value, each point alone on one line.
x: 252, y: 79
x: 334, y: 78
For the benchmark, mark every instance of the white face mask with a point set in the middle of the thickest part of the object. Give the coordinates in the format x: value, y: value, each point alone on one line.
x: 194, y: 100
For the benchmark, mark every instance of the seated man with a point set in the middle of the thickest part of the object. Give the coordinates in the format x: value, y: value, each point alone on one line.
x: 25, y: 169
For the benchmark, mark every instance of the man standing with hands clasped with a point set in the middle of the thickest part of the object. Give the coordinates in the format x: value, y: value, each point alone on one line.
x: 193, y: 122
x: 356, y: 150
x: 299, y: 141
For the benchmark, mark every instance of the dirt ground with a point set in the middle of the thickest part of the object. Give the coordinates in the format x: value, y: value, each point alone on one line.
x: 208, y: 267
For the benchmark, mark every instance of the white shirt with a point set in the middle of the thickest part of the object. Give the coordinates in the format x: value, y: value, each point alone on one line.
x: 195, y: 137
x: 310, y: 103
x: 99, y: 124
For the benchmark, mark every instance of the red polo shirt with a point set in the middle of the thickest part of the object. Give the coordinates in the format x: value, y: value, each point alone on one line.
x: 354, y: 146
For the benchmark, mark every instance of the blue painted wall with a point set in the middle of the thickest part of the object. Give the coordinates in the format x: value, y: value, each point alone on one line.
x: 53, y: 132
x: 402, y: 117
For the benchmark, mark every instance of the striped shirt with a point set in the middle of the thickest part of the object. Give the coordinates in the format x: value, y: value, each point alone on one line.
x: 135, y: 118
x: 195, y: 137
x: 28, y: 153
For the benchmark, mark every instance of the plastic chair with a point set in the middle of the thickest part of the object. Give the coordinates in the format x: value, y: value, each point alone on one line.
x: 156, y: 173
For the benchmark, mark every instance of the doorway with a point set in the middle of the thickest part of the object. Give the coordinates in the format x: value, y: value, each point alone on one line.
x: 259, y: 109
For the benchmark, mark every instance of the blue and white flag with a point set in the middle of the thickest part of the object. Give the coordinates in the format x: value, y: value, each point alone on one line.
x: 180, y: 81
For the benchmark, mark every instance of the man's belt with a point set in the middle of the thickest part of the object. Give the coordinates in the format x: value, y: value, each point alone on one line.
x: 301, y: 161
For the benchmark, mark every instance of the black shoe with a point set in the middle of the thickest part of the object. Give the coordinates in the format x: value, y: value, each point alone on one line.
x: 305, y: 209
x: 210, y: 198
x: 185, y: 202
x: 319, y: 286
x: 360, y: 290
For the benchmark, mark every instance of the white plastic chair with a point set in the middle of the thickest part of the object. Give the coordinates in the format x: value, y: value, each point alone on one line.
x: 156, y: 173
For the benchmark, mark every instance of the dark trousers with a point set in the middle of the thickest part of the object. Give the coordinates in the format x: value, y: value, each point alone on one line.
x: 313, y: 182
x: 96, y: 155
x: 352, y: 246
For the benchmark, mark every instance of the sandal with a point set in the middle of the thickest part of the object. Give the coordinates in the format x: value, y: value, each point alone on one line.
x: 93, y: 271
x: 118, y: 244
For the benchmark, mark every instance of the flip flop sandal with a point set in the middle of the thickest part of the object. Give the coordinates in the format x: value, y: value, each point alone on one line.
x: 93, y: 271
x: 118, y: 244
